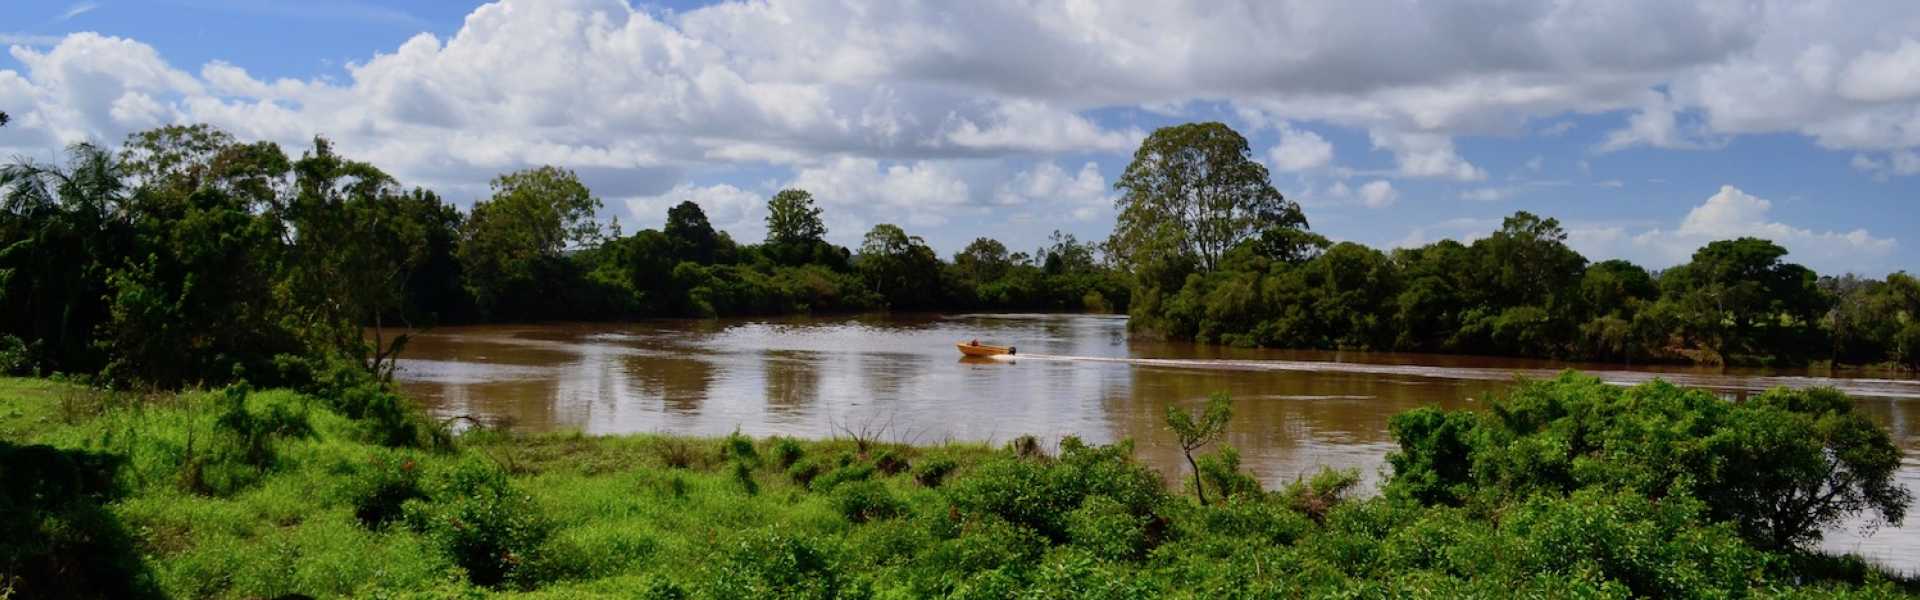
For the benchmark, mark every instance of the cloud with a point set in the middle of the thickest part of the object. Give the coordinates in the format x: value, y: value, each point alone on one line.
x: 77, y: 10
x: 1036, y: 127
x: 1426, y: 155
x: 1534, y: 164
x: 1299, y: 150
x: 1884, y: 75
x: 1047, y: 188
x: 1657, y: 124
x: 1901, y: 163
x: 1731, y: 213
x: 1489, y: 194
x: 1378, y: 194
x: 741, y: 213
x: 920, y: 97
x: 29, y: 39
x: 926, y: 193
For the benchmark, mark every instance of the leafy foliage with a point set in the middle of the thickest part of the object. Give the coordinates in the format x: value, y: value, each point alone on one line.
x: 1780, y: 468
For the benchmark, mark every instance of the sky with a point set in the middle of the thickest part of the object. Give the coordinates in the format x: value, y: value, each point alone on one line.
x: 1647, y: 127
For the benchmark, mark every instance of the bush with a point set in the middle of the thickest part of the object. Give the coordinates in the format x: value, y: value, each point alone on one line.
x: 743, y: 475
x: 1039, y: 495
x: 1105, y: 528
x: 847, y: 473
x: 240, y: 448
x: 15, y: 357
x: 1319, y: 495
x: 1221, y: 473
x: 889, y: 462
x: 786, y: 451
x: 864, y: 501
x: 805, y: 471
x: 739, y: 448
x: 771, y: 564
x: 379, y: 489
x: 57, y: 538
x: 1781, y: 467
x: 933, y: 471
x: 481, y: 522
x: 675, y: 453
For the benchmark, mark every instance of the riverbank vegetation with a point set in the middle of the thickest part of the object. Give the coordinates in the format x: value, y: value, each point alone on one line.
x: 1219, y: 256
x: 1566, y: 488
x: 187, y: 253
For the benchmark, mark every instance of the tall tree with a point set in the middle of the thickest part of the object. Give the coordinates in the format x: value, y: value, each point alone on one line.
x: 901, y: 268
x: 358, y: 240
x: 793, y: 219
x: 513, y: 238
x: 692, y: 235
x: 1192, y: 193
x: 983, y: 260
x: 1742, y: 296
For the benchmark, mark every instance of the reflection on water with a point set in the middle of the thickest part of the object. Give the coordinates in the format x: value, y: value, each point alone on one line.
x: 1295, y: 411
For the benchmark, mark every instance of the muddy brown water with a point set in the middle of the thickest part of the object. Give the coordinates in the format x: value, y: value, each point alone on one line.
x: 899, y: 377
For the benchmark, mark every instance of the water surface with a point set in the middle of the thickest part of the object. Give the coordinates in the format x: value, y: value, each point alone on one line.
x: 900, y: 378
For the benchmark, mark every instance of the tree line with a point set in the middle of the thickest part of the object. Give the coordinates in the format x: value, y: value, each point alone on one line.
x: 188, y: 256
x: 1220, y: 256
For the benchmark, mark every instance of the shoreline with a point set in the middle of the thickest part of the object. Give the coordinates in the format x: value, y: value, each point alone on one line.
x: 321, y: 511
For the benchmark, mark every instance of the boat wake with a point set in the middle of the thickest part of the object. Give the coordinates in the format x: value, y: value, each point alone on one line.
x: 1883, y: 388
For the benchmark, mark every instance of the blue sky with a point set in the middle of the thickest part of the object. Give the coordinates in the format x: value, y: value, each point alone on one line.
x: 1646, y: 127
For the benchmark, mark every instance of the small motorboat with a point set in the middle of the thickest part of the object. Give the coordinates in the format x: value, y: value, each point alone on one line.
x: 975, y: 348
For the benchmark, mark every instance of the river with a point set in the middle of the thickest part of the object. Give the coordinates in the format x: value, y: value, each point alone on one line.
x: 898, y: 377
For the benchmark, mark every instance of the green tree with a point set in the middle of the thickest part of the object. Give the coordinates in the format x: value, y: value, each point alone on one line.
x: 62, y: 231
x: 900, y: 268
x: 1192, y: 193
x: 694, y: 239
x: 357, y: 240
x: 1066, y: 255
x: 983, y: 260
x: 1527, y: 262
x: 1196, y: 431
x: 513, y: 243
x: 793, y: 219
x: 1740, y: 296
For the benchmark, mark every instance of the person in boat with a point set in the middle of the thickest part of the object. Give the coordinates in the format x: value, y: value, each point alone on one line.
x: 975, y: 342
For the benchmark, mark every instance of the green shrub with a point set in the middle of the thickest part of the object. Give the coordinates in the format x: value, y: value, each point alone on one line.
x: 772, y: 564
x: 863, y: 501
x: 889, y: 462
x: 933, y: 471
x: 739, y: 448
x: 57, y: 537
x: 847, y: 473
x: 1103, y: 527
x: 675, y: 453
x: 380, y: 488
x: 1781, y: 467
x: 1038, y: 495
x: 1319, y: 495
x: 743, y: 475
x: 1221, y: 472
x: 16, y: 358
x: 481, y: 522
x: 805, y: 471
x: 786, y: 451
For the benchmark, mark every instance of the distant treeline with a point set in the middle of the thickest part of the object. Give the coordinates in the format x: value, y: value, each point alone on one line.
x: 1219, y: 256
x: 190, y: 257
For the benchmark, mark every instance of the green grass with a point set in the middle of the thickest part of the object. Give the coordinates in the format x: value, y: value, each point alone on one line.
x: 622, y: 519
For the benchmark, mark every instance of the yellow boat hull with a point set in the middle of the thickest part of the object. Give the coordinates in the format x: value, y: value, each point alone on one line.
x: 983, y: 349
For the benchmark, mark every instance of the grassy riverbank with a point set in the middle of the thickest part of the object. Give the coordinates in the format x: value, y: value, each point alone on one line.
x: 244, y: 494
